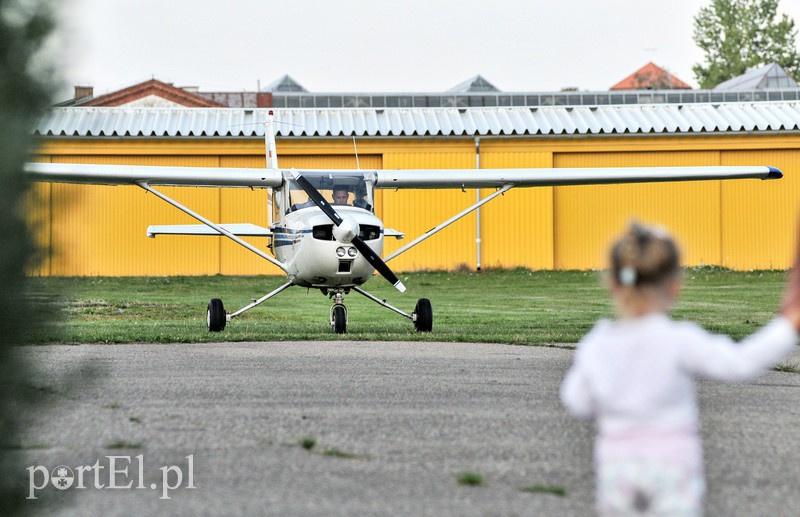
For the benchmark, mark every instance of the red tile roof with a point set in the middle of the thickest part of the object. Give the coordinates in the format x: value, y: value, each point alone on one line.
x: 651, y: 77
x: 152, y: 87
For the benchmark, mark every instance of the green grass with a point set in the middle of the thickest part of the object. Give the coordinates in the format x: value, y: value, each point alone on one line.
x: 507, y: 306
x: 25, y: 447
x: 471, y: 479
x: 787, y: 368
x: 544, y: 489
x: 338, y: 453
x: 307, y: 443
x: 124, y: 444
x: 42, y: 390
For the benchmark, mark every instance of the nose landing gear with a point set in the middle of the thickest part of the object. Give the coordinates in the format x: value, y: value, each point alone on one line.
x: 338, y: 313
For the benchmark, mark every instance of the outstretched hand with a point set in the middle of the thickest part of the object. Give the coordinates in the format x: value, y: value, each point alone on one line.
x: 790, y: 308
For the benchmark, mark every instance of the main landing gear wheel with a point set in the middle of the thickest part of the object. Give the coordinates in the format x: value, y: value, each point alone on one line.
x: 216, y: 318
x: 423, y: 315
x: 339, y: 319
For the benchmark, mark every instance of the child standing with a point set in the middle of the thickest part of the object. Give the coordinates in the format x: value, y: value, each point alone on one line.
x: 635, y: 377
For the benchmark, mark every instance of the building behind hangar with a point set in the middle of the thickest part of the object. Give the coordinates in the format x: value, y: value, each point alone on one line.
x: 97, y: 230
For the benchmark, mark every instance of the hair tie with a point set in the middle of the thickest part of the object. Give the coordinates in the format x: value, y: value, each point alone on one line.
x: 627, y: 276
x: 642, y: 234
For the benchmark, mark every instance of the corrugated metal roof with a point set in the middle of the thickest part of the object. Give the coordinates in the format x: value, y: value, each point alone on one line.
x: 657, y: 119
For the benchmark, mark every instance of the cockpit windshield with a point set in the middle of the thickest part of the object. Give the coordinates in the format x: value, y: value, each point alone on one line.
x: 339, y: 189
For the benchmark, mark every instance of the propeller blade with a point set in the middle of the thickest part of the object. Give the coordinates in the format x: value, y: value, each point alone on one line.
x: 317, y: 198
x: 378, y: 263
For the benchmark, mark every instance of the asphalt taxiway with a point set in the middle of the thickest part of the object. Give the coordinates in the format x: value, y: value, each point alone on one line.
x: 394, y: 425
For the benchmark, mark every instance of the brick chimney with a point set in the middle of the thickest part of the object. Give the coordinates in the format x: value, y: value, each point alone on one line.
x: 264, y: 99
x: 82, y: 92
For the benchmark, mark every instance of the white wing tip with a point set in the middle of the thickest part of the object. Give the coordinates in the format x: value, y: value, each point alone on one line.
x: 400, y: 287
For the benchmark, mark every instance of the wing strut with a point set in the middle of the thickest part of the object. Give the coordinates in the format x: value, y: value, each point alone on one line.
x: 447, y: 223
x: 217, y: 227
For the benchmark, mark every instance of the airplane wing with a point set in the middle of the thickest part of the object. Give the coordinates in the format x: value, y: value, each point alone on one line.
x: 400, y: 178
x: 240, y: 229
x: 487, y: 178
x: 171, y: 176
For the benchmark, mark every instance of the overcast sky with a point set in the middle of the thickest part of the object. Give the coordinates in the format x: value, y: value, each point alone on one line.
x: 369, y: 45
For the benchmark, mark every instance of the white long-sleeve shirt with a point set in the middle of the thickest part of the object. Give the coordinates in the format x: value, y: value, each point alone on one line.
x: 639, y: 373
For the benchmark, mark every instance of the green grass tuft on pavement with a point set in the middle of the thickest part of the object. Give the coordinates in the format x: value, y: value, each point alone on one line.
x: 471, y: 479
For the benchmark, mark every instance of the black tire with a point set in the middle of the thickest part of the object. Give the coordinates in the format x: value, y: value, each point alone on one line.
x: 339, y: 319
x: 216, y: 318
x: 424, y: 315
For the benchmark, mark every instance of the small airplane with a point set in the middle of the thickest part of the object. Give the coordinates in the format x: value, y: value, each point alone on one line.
x: 323, y: 240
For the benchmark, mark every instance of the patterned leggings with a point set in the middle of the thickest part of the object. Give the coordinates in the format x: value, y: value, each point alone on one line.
x: 645, y: 486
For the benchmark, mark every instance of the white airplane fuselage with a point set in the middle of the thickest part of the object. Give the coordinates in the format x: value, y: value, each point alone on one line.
x: 304, y: 241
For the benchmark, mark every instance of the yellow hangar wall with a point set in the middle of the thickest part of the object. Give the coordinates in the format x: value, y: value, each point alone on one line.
x: 747, y: 224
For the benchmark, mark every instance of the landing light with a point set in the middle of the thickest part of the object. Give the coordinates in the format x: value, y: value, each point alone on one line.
x: 352, y: 252
x: 340, y: 251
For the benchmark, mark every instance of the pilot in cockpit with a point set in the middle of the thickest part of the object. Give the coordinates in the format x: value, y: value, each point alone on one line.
x: 340, y: 195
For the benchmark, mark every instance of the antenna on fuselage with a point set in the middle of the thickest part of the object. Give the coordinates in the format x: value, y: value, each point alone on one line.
x: 355, y: 150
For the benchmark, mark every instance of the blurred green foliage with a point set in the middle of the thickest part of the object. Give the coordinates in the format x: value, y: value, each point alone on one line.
x: 739, y: 35
x: 25, y: 82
